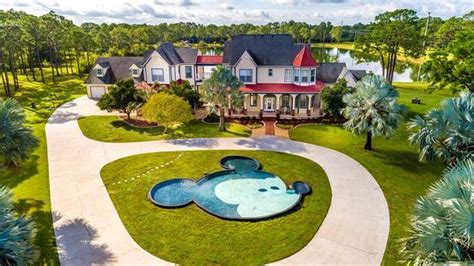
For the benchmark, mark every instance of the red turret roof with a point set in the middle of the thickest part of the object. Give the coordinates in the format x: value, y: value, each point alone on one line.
x: 305, y: 59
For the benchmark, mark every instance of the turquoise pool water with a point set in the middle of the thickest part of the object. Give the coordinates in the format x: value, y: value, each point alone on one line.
x: 242, y: 192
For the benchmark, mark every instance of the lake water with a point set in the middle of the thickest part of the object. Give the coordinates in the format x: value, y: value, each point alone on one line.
x: 404, y: 72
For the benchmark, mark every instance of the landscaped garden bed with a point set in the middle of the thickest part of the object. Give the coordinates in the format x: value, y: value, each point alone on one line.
x: 189, y: 235
x: 113, y: 129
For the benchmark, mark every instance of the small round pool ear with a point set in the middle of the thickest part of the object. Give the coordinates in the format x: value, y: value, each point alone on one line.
x: 172, y: 193
x: 301, y: 187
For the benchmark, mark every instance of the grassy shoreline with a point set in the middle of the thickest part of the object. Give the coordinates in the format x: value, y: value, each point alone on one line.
x: 350, y: 46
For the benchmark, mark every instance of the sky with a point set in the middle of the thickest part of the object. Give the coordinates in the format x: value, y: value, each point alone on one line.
x: 233, y: 11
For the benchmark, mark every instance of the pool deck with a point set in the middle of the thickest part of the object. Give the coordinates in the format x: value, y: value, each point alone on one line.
x: 88, y: 229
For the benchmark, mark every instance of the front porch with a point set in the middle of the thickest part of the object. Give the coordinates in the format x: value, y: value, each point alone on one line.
x: 280, y: 106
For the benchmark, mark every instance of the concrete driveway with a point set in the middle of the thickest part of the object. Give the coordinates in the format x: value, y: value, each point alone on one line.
x: 89, y: 231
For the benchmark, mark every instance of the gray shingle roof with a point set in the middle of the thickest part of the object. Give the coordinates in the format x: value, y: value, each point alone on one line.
x: 329, y: 72
x: 358, y: 74
x: 265, y: 49
x: 188, y: 55
x: 174, y: 56
x: 118, y: 69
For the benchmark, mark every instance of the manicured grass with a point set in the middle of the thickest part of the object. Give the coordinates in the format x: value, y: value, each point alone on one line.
x: 394, y: 162
x: 30, y: 183
x: 189, y: 235
x: 113, y: 129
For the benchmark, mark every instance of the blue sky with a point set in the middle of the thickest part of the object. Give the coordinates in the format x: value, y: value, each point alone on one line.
x: 233, y: 11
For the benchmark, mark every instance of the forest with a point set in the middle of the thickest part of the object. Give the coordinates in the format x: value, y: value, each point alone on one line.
x: 30, y: 43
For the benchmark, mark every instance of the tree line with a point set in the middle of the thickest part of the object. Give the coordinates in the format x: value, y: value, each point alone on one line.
x: 29, y: 42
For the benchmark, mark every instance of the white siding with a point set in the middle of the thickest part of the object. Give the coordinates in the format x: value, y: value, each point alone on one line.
x: 278, y: 75
x: 182, y: 70
x: 246, y: 62
x: 156, y: 61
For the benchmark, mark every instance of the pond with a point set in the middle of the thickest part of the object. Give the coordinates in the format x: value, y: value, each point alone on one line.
x: 404, y: 72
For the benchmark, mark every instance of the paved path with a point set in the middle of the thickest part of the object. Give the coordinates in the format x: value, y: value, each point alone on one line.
x: 89, y: 231
x: 269, y: 124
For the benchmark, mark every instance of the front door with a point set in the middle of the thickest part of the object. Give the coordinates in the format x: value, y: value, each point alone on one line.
x: 269, y: 104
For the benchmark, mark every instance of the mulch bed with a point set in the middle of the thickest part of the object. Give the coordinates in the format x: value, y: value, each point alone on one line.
x: 137, y: 122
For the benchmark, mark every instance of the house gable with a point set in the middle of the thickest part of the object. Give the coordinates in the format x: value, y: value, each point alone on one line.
x: 156, y: 61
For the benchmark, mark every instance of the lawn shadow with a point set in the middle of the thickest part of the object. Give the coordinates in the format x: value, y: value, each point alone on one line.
x: 27, y: 169
x: 77, y: 243
x: 45, y: 241
x: 62, y: 117
x: 152, y: 131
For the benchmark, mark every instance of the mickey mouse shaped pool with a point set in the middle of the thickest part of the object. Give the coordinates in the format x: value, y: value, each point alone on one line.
x: 240, y: 192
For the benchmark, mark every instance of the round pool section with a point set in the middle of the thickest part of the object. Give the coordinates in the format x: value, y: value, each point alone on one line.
x: 240, y: 163
x: 241, y: 192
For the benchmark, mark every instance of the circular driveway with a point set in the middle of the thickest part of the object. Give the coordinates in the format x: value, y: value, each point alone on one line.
x: 88, y: 229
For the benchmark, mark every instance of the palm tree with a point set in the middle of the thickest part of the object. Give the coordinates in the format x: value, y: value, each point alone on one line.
x: 221, y: 88
x: 446, y: 133
x: 16, y: 140
x: 372, y: 109
x: 17, y: 234
x: 442, y: 225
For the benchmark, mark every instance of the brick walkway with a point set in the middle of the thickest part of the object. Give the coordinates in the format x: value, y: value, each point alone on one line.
x: 269, y: 126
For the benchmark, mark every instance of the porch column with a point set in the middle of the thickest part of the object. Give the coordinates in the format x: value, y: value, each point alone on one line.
x: 293, y: 96
x: 278, y: 96
x: 309, y: 105
x: 310, y: 101
x: 245, y: 101
x: 229, y: 105
x: 261, y: 100
x: 293, y: 101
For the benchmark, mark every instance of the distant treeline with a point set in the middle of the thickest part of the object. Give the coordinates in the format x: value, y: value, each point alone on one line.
x: 28, y: 42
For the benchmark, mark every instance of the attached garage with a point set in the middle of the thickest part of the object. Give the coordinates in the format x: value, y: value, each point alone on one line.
x: 97, y: 91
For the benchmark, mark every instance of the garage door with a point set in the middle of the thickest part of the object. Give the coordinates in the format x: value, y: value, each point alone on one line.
x: 97, y: 91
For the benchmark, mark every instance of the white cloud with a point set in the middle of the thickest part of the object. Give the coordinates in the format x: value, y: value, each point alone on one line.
x: 233, y: 11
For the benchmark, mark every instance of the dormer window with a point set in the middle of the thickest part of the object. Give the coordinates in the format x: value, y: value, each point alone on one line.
x: 135, y: 73
x: 99, y: 72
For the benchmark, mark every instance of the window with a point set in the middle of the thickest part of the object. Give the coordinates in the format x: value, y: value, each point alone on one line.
x: 297, y: 75
x: 285, y: 101
x: 99, y: 72
x: 253, y: 99
x: 270, y: 72
x: 134, y: 72
x: 245, y: 75
x: 189, y: 72
x: 157, y: 74
x: 288, y: 75
x: 305, y: 75
x: 313, y: 75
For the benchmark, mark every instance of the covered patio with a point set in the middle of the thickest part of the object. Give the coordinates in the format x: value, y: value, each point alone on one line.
x: 282, y: 101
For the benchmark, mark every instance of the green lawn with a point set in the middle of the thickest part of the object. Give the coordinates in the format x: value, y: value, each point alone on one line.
x: 30, y: 183
x: 189, y: 235
x: 393, y: 163
x: 113, y: 129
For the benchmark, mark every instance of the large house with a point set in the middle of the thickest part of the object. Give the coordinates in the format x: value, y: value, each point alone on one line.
x: 281, y: 78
